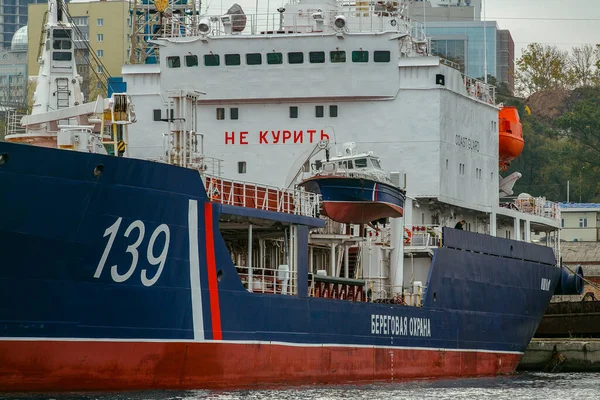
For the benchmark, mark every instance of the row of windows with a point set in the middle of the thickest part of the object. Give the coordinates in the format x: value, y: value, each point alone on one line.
x: 234, y: 111
x: 583, y: 223
x: 314, y: 57
x: 461, y: 170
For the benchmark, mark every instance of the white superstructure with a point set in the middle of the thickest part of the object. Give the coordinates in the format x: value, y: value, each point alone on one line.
x: 358, y: 72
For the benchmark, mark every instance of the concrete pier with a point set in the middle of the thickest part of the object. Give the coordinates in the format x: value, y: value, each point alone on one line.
x: 566, y: 355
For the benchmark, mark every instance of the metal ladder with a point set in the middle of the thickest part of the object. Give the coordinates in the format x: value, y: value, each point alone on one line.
x: 62, y: 93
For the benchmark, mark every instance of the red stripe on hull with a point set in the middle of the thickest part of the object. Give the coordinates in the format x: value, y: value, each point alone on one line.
x: 211, y: 265
x: 67, y: 366
x: 360, y: 212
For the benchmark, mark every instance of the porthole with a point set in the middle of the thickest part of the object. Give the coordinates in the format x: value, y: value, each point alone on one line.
x: 3, y: 158
x: 219, y: 275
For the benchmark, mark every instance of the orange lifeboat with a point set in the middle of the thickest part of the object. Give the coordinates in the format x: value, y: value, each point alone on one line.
x: 510, y: 136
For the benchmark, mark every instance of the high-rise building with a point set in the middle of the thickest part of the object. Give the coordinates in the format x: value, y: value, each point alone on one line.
x: 13, y: 15
x: 13, y: 73
x: 457, y: 34
x: 444, y: 10
x: 102, y: 29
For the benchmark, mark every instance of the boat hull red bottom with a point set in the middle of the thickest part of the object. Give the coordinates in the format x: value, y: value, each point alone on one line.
x: 360, y: 212
x: 90, y: 365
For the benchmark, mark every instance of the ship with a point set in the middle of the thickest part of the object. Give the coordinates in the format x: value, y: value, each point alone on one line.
x: 186, y: 262
x: 354, y: 188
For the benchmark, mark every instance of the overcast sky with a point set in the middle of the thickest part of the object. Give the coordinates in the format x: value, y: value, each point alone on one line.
x: 566, y: 23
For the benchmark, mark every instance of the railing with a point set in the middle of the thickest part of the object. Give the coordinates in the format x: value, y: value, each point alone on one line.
x: 269, y: 280
x: 264, y: 197
x: 479, y: 90
x: 13, y: 126
x: 537, y: 206
x: 358, y: 19
x: 388, y: 294
x: 424, y: 236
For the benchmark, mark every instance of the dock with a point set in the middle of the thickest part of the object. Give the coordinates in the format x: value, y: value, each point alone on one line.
x: 562, y: 355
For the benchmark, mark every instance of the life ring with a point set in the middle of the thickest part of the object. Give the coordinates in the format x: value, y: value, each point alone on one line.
x: 393, y: 22
x: 407, y: 236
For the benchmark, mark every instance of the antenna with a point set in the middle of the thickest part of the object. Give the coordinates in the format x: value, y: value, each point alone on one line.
x: 485, y: 71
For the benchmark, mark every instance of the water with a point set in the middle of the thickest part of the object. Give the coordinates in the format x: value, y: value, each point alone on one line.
x: 580, y: 386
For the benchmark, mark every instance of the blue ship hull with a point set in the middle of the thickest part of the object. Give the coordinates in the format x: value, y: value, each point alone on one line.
x: 356, y: 200
x: 114, y: 275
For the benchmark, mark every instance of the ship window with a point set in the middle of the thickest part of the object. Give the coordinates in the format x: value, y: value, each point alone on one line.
x: 61, y: 56
x: 361, y: 163
x: 316, y: 57
x: 349, y: 164
x: 274, y: 58
x: 173, y: 62
x: 293, y: 112
x: 232, y: 59
x: 62, y: 33
x: 562, y: 223
x: 211, y: 60
x: 319, y: 111
x: 360, y: 56
x: 241, y: 167
x: 191, y: 61
x: 376, y: 163
x: 253, y: 58
x: 446, y: 164
x: 61, y: 44
x: 296, y: 57
x: 381, y: 56
x: 333, y: 111
x: 220, y: 113
x: 157, y: 114
x: 337, y: 56
x: 233, y: 113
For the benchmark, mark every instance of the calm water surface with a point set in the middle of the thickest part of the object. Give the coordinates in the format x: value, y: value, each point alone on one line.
x: 521, y: 386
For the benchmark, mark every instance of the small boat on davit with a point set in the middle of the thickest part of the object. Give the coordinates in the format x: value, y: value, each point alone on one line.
x: 355, y: 189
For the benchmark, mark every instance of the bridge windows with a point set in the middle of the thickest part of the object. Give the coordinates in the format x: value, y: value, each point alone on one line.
x: 338, y: 56
x: 253, y: 58
x: 232, y: 59
x: 220, y: 113
x: 296, y: 57
x: 360, y: 56
x: 212, y: 60
x: 274, y: 58
x: 191, y: 61
x: 173, y: 62
x: 316, y: 57
x: 233, y: 113
x: 293, y: 112
x: 381, y: 56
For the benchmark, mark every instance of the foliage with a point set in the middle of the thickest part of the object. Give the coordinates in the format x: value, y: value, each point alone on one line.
x: 561, y: 149
x: 543, y: 67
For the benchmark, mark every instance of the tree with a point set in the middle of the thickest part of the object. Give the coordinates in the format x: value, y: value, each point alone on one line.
x: 583, y: 62
x: 542, y: 67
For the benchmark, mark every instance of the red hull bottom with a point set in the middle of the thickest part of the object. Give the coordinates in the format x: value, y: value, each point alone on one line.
x: 89, y: 365
x: 354, y: 212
